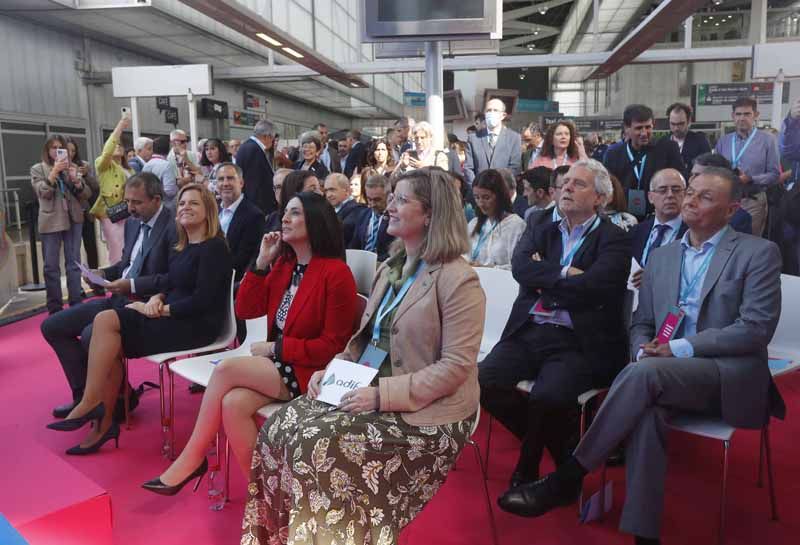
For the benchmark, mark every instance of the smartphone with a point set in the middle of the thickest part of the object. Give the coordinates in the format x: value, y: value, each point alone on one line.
x: 61, y: 154
x: 413, y: 153
x: 126, y: 111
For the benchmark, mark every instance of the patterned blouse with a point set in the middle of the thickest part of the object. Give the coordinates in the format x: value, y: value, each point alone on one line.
x: 288, y: 297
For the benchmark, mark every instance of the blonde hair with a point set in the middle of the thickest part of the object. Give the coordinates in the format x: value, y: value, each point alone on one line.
x: 212, y: 219
x: 446, y: 238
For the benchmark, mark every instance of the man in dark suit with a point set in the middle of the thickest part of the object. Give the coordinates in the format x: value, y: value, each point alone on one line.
x: 370, y: 233
x: 494, y: 147
x: 565, y: 331
x: 357, y: 153
x: 253, y: 159
x: 666, y: 195
x: 635, y: 161
x: 240, y: 220
x: 329, y: 156
x: 714, y: 363
x: 149, y: 237
x: 690, y: 143
x: 741, y: 221
x: 337, y: 191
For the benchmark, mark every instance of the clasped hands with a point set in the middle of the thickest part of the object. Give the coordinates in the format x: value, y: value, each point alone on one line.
x: 360, y: 400
x: 655, y: 350
x: 153, y: 308
x: 572, y: 271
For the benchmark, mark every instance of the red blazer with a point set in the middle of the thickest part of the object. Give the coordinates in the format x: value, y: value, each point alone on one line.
x: 322, y: 317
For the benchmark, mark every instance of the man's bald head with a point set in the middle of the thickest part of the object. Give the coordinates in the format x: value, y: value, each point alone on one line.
x: 495, y: 104
x: 667, y: 188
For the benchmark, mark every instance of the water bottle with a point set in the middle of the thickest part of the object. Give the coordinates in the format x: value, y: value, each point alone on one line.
x: 216, y: 493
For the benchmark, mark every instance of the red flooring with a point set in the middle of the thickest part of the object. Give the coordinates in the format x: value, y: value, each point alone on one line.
x: 31, y: 382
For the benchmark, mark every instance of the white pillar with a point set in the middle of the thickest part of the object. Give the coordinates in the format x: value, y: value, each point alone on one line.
x: 135, y: 118
x: 777, y: 101
x: 758, y: 22
x: 688, y: 26
x: 192, y: 120
x: 434, y: 87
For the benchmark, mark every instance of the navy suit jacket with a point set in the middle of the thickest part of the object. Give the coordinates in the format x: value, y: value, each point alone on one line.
x: 356, y: 159
x: 350, y: 214
x: 594, y: 299
x: 257, y: 172
x: 695, y: 144
x: 153, y: 276
x: 507, y: 153
x: 361, y: 235
x: 520, y: 205
x: 244, y: 236
x: 641, y: 232
x: 742, y: 221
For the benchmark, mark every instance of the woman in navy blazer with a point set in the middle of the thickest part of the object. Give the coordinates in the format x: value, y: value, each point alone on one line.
x: 303, y: 285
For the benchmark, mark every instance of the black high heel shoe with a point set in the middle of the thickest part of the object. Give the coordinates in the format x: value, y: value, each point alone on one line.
x: 155, y: 485
x: 111, y: 433
x: 73, y: 424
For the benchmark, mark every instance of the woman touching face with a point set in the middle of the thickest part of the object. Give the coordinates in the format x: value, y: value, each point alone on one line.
x: 293, y: 225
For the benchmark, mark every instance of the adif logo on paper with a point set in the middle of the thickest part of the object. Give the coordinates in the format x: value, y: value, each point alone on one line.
x: 331, y: 380
x: 349, y: 384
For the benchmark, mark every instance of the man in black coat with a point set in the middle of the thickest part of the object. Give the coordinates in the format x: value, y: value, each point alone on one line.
x: 690, y: 143
x: 149, y: 237
x: 240, y: 220
x: 566, y: 330
x: 636, y: 160
x: 253, y: 159
x: 337, y: 191
x: 370, y: 233
x: 357, y: 153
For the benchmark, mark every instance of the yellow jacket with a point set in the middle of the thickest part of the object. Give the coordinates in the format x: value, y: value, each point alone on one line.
x: 111, y: 177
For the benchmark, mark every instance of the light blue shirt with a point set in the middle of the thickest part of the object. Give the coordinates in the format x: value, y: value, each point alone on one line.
x: 161, y: 168
x: 692, y: 265
x: 226, y: 214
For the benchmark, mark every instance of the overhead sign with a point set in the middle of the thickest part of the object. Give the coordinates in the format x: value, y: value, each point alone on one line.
x: 725, y: 94
x: 162, y: 103
x: 254, y: 102
x: 246, y: 119
x: 414, y: 100
x: 171, y: 115
x: 215, y: 109
x: 536, y: 105
x: 153, y: 81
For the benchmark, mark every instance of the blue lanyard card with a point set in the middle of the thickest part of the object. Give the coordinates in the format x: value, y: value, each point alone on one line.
x: 637, y: 202
x: 372, y: 356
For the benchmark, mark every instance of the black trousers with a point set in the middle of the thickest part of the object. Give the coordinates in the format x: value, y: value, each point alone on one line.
x: 550, y: 355
x: 90, y: 242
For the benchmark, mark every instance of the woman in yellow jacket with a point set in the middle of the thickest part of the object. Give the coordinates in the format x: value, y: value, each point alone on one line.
x: 112, y: 172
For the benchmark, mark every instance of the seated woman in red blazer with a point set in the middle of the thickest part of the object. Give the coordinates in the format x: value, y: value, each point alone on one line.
x: 303, y: 285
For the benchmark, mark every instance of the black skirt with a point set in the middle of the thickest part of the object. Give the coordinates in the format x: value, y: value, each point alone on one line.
x: 143, y: 336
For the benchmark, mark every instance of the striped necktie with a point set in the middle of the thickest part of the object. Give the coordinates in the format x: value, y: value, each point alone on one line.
x: 372, y: 241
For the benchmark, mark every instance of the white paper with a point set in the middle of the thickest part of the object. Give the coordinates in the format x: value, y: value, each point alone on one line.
x: 635, y: 267
x: 92, y: 277
x: 343, y: 376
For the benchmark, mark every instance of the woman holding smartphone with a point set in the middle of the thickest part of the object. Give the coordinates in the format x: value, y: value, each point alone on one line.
x: 62, y: 195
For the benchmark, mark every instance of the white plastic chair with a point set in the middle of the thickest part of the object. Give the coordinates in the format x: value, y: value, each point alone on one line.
x: 363, y: 265
x: 501, y: 291
x: 785, y: 343
x: 166, y: 359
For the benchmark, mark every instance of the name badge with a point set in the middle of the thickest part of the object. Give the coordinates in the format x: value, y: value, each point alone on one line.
x: 670, y: 326
x: 539, y: 310
x: 637, y: 202
x: 372, y: 357
x: 343, y: 376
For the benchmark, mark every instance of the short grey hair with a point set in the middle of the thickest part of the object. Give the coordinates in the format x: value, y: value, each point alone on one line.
x: 264, y: 128
x: 142, y: 142
x: 234, y: 166
x: 311, y: 137
x: 339, y: 179
x: 177, y: 132
x: 379, y: 180
x: 422, y: 126
x: 602, y: 179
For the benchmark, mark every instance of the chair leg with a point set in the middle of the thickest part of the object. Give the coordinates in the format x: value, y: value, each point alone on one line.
x: 725, y: 447
x: 162, y: 401
x: 771, y: 482
x: 485, y: 490
x: 227, y: 470
x: 126, y: 397
x: 581, y: 431
x: 171, y: 379
x: 760, y: 481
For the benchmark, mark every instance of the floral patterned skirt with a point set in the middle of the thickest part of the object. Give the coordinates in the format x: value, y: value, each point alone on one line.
x: 320, y: 475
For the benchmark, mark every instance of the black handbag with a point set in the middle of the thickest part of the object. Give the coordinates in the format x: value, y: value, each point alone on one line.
x: 118, y: 212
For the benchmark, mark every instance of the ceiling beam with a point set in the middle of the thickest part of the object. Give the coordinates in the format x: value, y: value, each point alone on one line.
x: 535, y: 8
x: 530, y: 27
x: 522, y: 40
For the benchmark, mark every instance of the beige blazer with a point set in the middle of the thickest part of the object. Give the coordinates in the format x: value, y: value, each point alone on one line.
x: 435, y: 336
x: 57, y: 210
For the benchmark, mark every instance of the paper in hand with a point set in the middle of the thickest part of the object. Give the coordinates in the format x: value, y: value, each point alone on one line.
x: 92, y: 277
x: 341, y: 377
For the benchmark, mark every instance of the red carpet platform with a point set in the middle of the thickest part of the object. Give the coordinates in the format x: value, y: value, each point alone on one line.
x: 32, y: 382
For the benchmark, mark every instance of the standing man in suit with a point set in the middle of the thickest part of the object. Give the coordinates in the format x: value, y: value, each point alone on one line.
x: 532, y: 138
x: 635, y: 160
x: 253, y: 158
x: 357, y: 153
x: 370, y: 233
x: 727, y: 288
x: 329, y: 156
x: 144, y: 150
x: 240, y: 220
x: 565, y: 331
x: 149, y: 237
x: 337, y: 192
x: 690, y: 143
x: 494, y: 147
x: 666, y: 195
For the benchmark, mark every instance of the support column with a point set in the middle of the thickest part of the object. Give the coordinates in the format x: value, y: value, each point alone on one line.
x: 777, y: 101
x: 135, y: 118
x: 192, y: 120
x: 688, y: 27
x: 758, y: 22
x: 434, y: 87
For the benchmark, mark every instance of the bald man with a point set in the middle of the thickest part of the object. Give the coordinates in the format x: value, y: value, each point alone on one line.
x: 667, y: 188
x: 496, y: 146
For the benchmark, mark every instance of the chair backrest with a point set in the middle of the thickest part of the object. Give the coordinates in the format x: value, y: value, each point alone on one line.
x: 362, y: 305
x: 501, y: 291
x: 363, y: 264
x: 786, y: 342
x: 228, y: 332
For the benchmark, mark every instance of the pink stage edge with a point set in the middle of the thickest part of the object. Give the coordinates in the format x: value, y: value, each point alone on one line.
x: 43, y: 489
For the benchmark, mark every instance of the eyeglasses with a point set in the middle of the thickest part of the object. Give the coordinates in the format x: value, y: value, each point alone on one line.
x: 675, y: 189
x: 400, y: 200
x: 180, y: 141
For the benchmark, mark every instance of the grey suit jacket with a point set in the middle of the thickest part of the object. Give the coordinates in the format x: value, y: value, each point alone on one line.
x: 507, y: 153
x: 740, y: 304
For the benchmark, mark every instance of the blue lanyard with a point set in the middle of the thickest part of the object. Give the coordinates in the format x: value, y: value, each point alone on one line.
x: 637, y: 171
x: 652, y: 238
x: 387, y: 308
x: 482, y: 236
x: 735, y: 158
x: 686, y: 286
x: 567, y: 259
x: 556, y: 215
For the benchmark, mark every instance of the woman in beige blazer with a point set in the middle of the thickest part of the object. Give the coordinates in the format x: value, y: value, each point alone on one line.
x: 62, y: 196
x: 362, y: 471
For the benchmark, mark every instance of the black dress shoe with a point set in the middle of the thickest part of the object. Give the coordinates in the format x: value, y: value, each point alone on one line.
x: 111, y: 433
x: 520, y: 477
x: 537, y: 498
x: 76, y: 423
x: 119, y: 407
x: 639, y: 540
x: 63, y: 410
x: 155, y: 485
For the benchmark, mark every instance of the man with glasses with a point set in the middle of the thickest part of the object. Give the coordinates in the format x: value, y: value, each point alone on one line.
x: 690, y: 143
x: 183, y: 161
x: 329, y: 156
x: 532, y: 140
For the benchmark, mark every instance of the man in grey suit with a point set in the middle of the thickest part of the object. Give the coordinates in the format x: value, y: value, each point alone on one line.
x: 494, y: 147
x: 726, y: 288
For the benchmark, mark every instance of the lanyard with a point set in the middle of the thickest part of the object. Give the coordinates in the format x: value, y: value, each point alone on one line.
x: 556, y: 215
x: 567, y: 259
x: 652, y: 238
x: 387, y: 308
x: 482, y: 236
x: 735, y: 158
x: 638, y: 172
x: 688, y: 286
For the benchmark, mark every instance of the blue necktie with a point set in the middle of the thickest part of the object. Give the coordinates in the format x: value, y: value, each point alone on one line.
x: 661, y: 230
x: 136, y: 268
x: 372, y: 241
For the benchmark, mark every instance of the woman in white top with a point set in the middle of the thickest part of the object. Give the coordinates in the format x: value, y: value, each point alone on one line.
x: 423, y: 154
x: 495, y: 230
